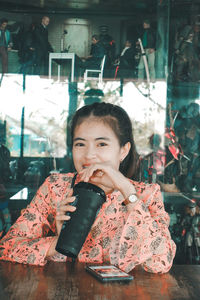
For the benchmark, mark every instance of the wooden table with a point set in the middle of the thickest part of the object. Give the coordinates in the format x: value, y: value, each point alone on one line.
x: 60, y: 281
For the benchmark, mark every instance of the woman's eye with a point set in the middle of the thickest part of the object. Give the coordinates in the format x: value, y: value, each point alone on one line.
x: 79, y: 145
x: 102, y: 144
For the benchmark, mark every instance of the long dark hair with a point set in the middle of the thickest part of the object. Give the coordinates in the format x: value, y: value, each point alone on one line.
x: 119, y: 121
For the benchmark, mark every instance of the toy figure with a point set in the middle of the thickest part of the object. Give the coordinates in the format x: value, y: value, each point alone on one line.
x: 153, y: 164
x: 174, y: 225
x: 191, y: 232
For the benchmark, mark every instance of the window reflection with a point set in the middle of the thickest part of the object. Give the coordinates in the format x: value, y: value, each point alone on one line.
x: 45, y: 112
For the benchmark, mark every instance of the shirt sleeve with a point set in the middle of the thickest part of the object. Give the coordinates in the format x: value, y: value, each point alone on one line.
x: 145, y: 239
x: 30, y: 237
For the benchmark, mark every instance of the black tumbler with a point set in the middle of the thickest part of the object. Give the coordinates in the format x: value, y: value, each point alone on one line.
x: 89, y: 199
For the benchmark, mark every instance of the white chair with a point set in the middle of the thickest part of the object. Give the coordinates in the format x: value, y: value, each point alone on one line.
x: 98, y: 73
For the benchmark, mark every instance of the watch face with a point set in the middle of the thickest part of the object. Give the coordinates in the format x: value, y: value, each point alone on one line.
x: 132, y: 198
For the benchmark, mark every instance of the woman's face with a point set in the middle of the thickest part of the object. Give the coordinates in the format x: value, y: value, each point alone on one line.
x: 95, y: 142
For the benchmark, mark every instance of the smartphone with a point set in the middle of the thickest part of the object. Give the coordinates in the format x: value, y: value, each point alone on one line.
x: 108, y: 273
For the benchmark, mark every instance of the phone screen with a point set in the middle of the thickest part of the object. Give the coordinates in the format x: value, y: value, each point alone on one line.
x: 108, y: 273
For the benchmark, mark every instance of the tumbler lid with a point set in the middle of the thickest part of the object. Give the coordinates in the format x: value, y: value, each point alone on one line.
x: 91, y: 187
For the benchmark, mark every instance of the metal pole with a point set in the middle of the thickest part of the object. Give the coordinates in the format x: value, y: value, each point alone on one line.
x: 22, y: 135
x: 73, y: 99
x: 145, y: 62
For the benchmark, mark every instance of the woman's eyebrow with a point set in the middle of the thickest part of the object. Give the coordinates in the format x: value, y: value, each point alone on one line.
x: 78, y: 139
x: 102, y: 138
x: 96, y: 139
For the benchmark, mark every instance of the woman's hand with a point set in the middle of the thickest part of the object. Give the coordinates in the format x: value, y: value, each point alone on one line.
x: 107, y: 178
x: 63, y: 208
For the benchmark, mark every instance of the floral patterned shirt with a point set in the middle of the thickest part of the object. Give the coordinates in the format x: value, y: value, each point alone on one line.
x: 119, y: 236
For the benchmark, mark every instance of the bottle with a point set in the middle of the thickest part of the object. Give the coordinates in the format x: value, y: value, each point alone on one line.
x: 89, y: 199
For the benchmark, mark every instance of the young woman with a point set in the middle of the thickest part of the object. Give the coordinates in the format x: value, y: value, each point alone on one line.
x: 132, y: 226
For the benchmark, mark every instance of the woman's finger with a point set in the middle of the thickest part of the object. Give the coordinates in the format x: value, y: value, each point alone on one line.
x: 62, y: 217
x: 67, y: 208
x: 66, y: 201
x: 93, y: 170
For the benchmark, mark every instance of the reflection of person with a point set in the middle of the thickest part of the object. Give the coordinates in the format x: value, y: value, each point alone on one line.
x: 126, y: 61
x: 187, y: 60
x: 93, y: 61
x: 5, y: 44
x: 130, y: 229
x: 108, y: 43
x: 149, y: 45
x: 42, y: 46
x: 96, y: 54
x: 27, y: 51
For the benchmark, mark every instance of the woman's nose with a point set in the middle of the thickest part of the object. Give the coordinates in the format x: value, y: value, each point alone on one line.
x: 90, y: 152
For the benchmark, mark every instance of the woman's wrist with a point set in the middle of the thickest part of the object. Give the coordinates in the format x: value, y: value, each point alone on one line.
x: 127, y: 188
x: 52, y: 249
x: 131, y: 201
x: 129, y: 193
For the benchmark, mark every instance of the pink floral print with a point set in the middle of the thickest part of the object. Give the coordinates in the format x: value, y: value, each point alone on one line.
x: 119, y: 236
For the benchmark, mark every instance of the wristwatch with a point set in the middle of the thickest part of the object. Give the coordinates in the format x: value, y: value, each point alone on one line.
x: 132, y: 198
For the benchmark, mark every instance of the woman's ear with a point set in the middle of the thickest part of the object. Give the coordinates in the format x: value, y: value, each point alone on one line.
x: 125, y: 151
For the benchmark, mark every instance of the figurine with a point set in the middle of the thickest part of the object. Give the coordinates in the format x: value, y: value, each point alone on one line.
x: 191, y: 232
